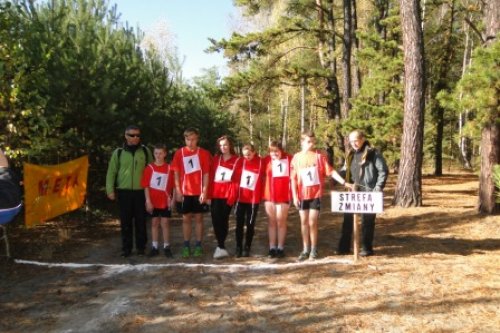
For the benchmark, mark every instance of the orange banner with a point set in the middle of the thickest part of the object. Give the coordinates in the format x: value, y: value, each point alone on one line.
x: 53, y: 190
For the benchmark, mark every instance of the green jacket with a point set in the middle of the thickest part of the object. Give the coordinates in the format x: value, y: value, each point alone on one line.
x: 125, y: 168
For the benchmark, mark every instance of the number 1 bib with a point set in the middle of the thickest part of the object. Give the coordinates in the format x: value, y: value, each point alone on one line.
x: 191, y: 164
x: 223, y: 175
x: 309, y: 176
x: 280, y: 168
x: 158, y: 181
x: 248, y: 180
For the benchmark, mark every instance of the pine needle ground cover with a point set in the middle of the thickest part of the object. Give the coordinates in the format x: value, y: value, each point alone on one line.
x: 435, y: 270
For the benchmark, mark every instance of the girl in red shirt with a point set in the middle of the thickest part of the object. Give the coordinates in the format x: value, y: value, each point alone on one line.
x: 158, y: 182
x: 277, y: 196
x: 223, y: 191
x: 250, y: 172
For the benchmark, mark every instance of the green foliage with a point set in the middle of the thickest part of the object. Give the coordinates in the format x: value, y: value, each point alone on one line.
x: 72, y: 77
x: 478, y: 91
x: 496, y: 179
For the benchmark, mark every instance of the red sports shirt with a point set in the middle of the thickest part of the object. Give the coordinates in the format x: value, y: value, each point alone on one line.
x: 308, y: 170
x: 159, y: 179
x: 250, y: 175
x: 277, y: 179
x: 191, y: 166
x: 223, y: 178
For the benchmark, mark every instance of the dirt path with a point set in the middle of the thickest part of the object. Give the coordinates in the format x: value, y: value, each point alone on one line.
x: 436, y: 270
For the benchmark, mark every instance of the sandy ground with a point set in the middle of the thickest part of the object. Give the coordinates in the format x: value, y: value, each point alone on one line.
x: 436, y: 270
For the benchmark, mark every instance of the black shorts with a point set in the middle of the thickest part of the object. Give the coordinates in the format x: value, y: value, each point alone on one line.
x: 192, y: 205
x: 310, y: 204
x: 161, y: 212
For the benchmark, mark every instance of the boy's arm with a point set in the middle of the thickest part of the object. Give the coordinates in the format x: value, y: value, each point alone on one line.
x: 149, y: 204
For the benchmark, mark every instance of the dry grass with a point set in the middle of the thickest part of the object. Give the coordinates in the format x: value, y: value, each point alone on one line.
x: 436, y: 270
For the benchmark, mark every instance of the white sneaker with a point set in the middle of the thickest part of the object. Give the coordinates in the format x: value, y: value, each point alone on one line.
x: 220, y: 253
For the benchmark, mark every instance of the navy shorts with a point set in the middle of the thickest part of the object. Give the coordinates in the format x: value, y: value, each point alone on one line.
x: 310, y: 204
x: 191, y: 205
x: 161, y: 212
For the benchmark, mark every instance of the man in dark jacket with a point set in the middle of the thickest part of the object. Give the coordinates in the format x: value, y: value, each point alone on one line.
x: 366, y: 168
x: 123, y: 183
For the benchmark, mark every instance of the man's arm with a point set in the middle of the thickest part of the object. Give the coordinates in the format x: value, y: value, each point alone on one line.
x: 4, y: 163
x: 111, y: 176
x: 382, y: 172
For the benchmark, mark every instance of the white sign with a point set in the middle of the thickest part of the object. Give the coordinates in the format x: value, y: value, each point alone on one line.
x: 357, y: 202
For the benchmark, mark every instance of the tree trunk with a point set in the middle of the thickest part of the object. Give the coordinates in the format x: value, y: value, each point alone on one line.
x: 250, y: 116
x: 465, y: 142
x: 490, y: 155
x: 409, y: 184
x: 441, y: 84
x: 326, y: 55
x: 302, y: 104
x: 356, y: 83
x: 490, y: 134
x: 346, y: 60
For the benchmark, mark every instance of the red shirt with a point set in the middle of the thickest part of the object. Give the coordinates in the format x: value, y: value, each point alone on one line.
x: 159, y: 179
x: 308, y: 170
x: 223, y: 180
x: 277, y: 179
x: 250, y: 176
x: 191, y: 166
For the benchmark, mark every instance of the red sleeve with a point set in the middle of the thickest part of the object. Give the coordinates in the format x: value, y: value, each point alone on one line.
x: 212, y: 176
x: 235, y: 185
x: 177, y: 161
x: 206, y: 161
x: 171, y: 181
x: 146, y: 176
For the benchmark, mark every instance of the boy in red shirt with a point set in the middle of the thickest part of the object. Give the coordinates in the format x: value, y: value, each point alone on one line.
x: 277, y: 197
x: 158, y: 182
x: 191, y: 165
x: 250, y: 172
x: 307, y: 172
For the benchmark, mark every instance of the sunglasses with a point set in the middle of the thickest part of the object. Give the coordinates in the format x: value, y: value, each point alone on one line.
x: 133, y: 135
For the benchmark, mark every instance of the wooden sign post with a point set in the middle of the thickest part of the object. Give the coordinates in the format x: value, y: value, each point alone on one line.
x: 355, y: 237
x: 357, y: 203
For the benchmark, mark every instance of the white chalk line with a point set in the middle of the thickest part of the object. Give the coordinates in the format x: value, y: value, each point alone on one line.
x: 121, y: 268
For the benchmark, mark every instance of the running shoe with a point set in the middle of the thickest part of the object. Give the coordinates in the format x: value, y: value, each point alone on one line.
x: 303, y: 256
x: 154, y: 252
x: 168, y: 252
x: 272, y: 253
x: 198, y: 251
x: 220, y: 253
x: 313, y: 255
x: 185, y: 252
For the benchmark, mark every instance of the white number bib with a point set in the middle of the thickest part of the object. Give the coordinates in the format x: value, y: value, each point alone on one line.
x: 191, y: 164
x: 280, y: 168
x: 310, y: 176
x: 158, y: 181
x: 248, y: 180
x: 223, y: 175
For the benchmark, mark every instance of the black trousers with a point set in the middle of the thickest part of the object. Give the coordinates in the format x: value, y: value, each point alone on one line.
x: 220, y: 212
x: 367, y: 232
x: 132, y: 218
x: 246, y: 215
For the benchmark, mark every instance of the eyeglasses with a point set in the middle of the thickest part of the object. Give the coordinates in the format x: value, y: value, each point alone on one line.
x: 133, y: 135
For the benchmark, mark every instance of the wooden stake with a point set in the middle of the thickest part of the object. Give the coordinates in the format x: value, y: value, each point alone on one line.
x: 355, y: 237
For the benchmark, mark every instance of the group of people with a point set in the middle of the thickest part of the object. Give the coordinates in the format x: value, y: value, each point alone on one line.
x: 195, y: 182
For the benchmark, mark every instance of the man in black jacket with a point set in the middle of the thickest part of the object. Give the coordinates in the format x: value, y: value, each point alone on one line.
x: 366, y: 168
